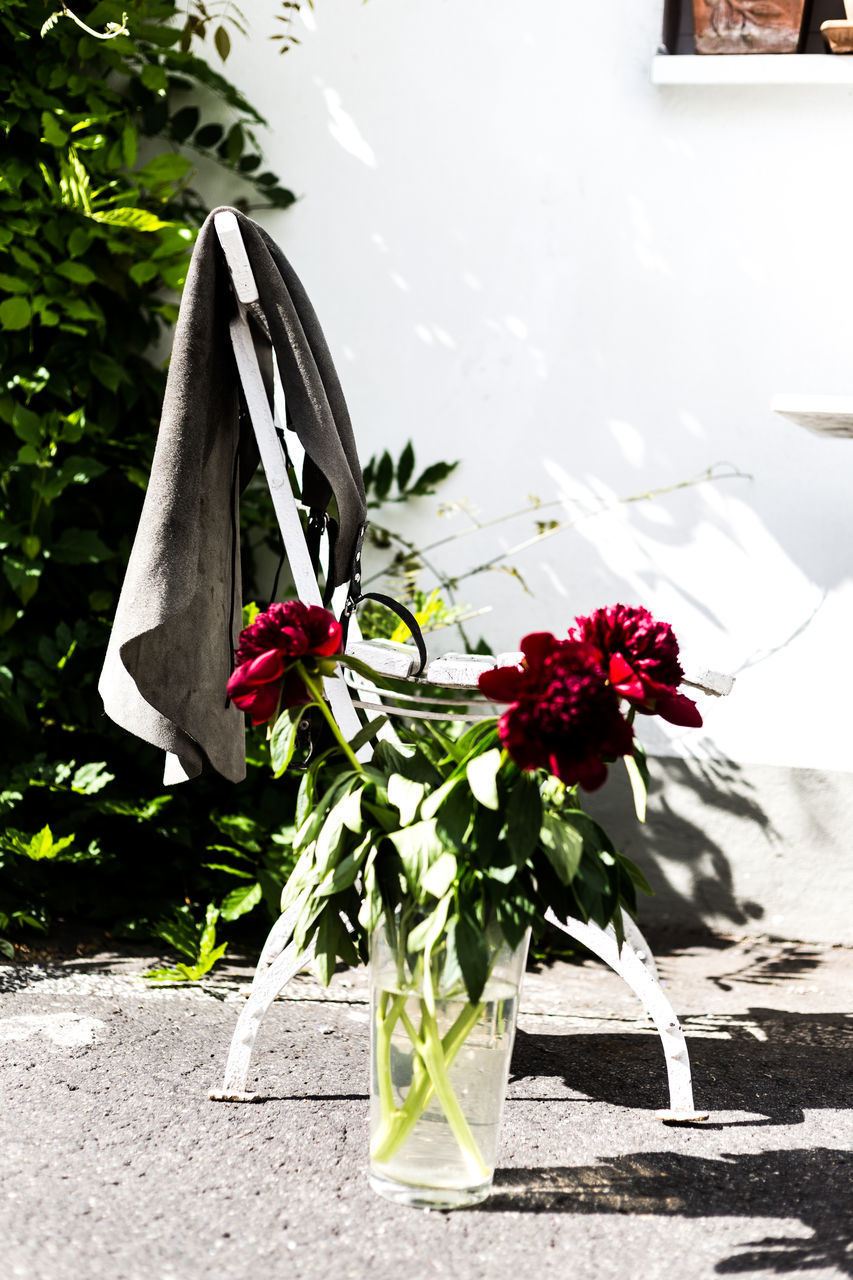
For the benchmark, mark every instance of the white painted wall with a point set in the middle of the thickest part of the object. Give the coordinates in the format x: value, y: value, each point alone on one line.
x: 527, y: 257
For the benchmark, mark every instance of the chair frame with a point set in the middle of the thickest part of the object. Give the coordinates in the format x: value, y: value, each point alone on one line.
x: 280, y: 960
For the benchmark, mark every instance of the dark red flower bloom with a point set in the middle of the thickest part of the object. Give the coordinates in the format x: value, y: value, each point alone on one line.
x: 565, y: 717
x: 640, y: 656
x: 282, y: 635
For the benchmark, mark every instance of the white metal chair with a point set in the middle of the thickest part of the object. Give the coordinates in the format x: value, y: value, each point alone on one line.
x: 430, y: 696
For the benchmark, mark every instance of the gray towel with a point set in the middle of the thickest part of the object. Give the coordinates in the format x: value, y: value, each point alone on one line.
x: 178, y: 616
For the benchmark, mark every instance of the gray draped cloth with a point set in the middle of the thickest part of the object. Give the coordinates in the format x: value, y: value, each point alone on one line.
x: 179, y: 613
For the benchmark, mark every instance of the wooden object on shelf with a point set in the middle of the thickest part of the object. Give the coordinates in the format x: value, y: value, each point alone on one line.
x: 747, y: 26
x: 838, y: 33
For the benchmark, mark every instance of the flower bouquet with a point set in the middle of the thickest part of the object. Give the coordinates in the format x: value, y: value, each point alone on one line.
x: 433, y: 853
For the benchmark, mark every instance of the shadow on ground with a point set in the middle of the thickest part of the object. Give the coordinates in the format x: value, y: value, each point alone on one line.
x: 763, y: 1062
x: 814, y: 1186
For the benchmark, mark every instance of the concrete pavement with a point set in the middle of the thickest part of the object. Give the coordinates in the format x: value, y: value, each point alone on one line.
x: 115, y: 1166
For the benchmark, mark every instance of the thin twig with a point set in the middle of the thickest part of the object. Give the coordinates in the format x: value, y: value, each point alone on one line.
x: 113, y: 29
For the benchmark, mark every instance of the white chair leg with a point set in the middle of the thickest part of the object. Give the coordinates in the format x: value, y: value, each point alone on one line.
x: 278, y: 964
x: 276, y: 940
x: 634, y: 935
x: 631, y: 962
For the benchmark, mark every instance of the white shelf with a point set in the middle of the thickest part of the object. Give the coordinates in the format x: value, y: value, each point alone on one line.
x: 752, y: 68
x: 825, y: 415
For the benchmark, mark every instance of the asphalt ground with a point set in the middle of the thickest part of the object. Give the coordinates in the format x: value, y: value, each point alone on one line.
x: 114, y: 1165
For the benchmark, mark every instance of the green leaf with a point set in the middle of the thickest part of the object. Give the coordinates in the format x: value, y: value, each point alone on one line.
x: 23, y: 576
x: 134, y: 219
x: 101, y: 601
x: 418, y: 846
x: 367, y: 733
x: 79, y: 546
x: 482, y: 775
x: 180, y: 931
x: 129, y: 145
x: 89, y: 779
x: 28, y: 426
x: 209, y: 135
x: 343, y: 875
x: 15, y: 313
x: 472, y: 955
x: 76, y: 272
x: 40, y: 847
x: 280, y: 197
x: 240, y: 901
x: 405, y: 796
x: 438, y: 877
x: 384, y: 476
x: 563, y: 846
x: 14, y: 284
x: 154, y: 78
x: 184, y: 123
x: 141, y: 272
x: 634, y: 873
x: 283, y: 740
x: 331, y: 941
x: 304, y: 799
x: 167, y: 167
x: 74, y: 470
x: 108, y: 372
x: 52, y: 132
x: 429, y: 478
x: 638, y: 786
x: 79, y: 241
x: 439, y: 797
x: 208, y: 932
x: 232, y: 147
x: 523, y: 817
x: 425, y: 935
x: 350, y: 809
x: 405, y: 466
x: 330, y: 838
x: 454, y: 817
x: 222, y: 42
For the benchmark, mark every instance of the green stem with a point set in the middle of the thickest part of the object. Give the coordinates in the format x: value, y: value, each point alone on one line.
x: 316, y: 692
x: 385, y: 1023
x: 436, y: 1064
x: 397, y: 1124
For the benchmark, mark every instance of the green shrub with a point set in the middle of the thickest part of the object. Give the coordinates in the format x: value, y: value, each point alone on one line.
x: 97, y: 220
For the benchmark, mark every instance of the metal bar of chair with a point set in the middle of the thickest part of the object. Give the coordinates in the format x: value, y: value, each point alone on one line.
x: 446, y: 691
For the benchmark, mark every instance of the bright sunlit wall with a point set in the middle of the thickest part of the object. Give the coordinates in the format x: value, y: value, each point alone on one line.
x: 585, y: 287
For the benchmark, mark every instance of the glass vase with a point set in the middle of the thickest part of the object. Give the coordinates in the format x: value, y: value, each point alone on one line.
x: 439, y: 1068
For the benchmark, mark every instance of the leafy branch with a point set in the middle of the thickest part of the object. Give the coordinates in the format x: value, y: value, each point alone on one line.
x: 411, y: 557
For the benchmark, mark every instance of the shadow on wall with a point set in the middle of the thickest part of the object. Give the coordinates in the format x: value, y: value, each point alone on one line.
x: 689, y: 869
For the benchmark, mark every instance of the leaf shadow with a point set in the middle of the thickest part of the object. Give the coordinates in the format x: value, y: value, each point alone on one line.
x: 811, y: 1185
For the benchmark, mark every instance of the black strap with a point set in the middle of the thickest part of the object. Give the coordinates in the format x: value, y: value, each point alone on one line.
x: 402, y: 613
x: 313, y: 534
x: 355, y: 597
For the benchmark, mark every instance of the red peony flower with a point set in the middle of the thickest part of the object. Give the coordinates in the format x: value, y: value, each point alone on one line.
x: 565, y: 717
x: 282, y: 635
x: 640, y: 656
